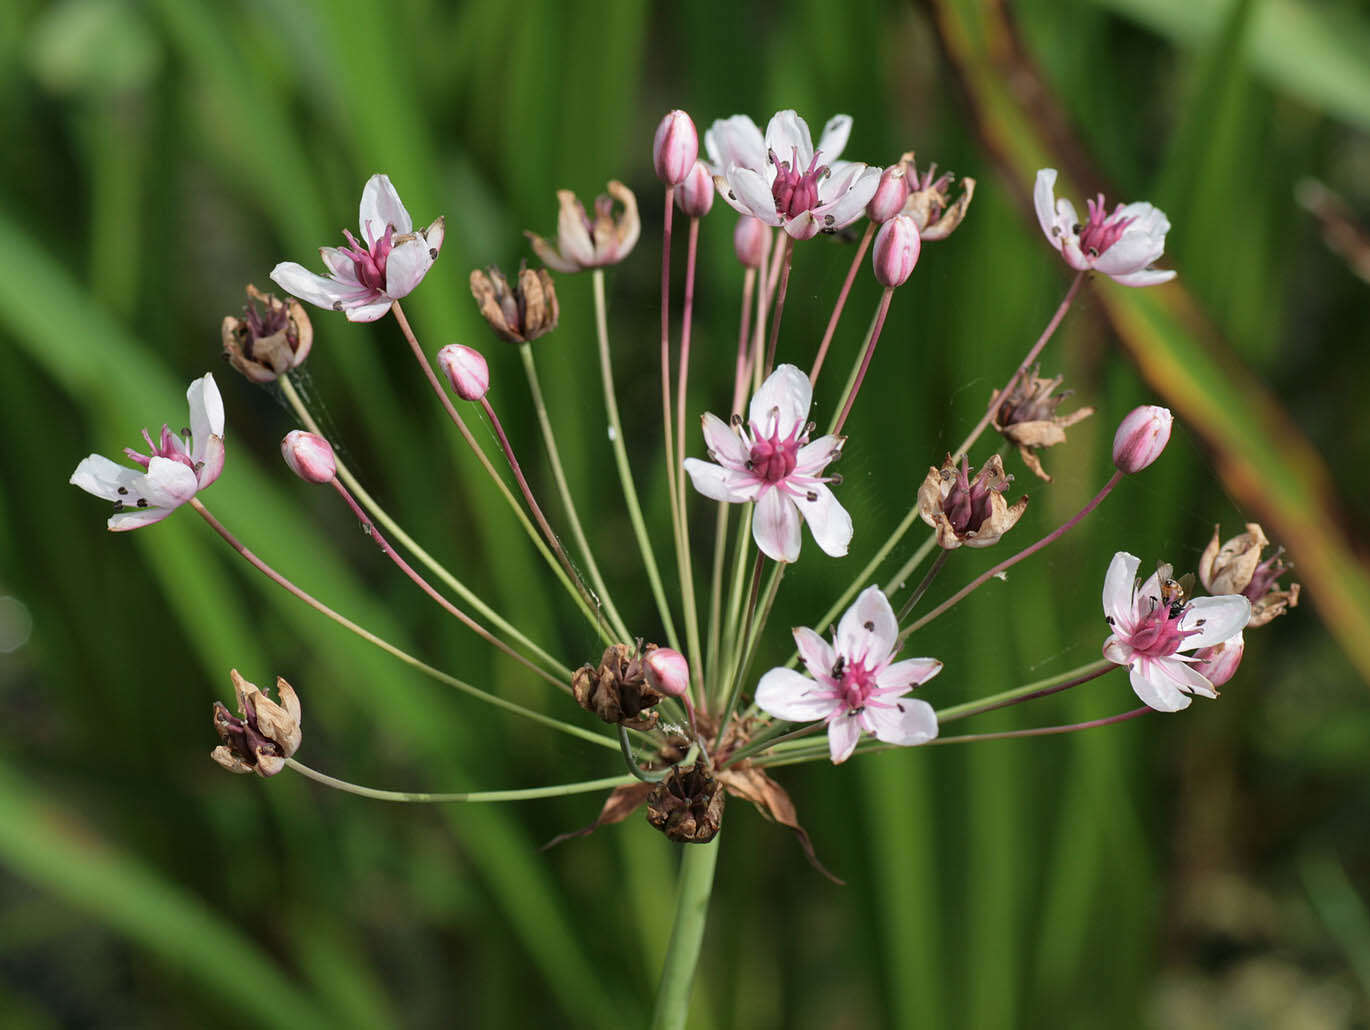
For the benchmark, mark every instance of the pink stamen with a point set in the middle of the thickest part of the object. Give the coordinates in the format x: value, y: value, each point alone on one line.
x: 370, y: 262
x: 795, y: 192
x: 1100, y: 232
x: 1158, y: 634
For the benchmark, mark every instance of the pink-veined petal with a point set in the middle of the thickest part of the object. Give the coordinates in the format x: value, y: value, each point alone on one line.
x: 1118, y: 584
x: 1216, y: 619
x: 1156, y: 689
x: 815, y: 456
x: 803, y: 226
x: 366, y: 309
x: 907, y: 722
x: 725, y: 446
x: 1118, y: 652
x: 168, y: 483
x: 406, y: 266
x: 787, y: 391
x: 717, y: 483
x: 309, y: 286
x: 834, y: 138
x: 788, y: 133
x: 868, y: 629
x: 734, y: 141
x: 381, y: 207
x: 815, y: 652
x: 906, y: 675
x: 753, y: 193
x: 775, y: 526
x: 1147, y: 596
x: 844, y: 732
x: 788, y: 695
x: 340, y: 266
x: 829, y: 522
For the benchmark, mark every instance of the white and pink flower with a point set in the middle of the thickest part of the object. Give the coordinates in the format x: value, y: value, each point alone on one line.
x: 173, y: 471
x: 1122, y: 245
x: 783, y: 180
x: 1152, y: 624
x: 368, y: 275
x: 770, y: 460
x: 855, y: 687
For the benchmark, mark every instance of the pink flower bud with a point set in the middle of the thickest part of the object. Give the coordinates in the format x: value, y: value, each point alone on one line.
x: 1141, y: 437
x: 675, y: 148
x: 466, y: 371
x: 667, y: 672
x: 309, y: 456
x: 890, y: 195
x: 696, y: 194
x: 1220, y: 661
x: 897, y: 246
x: 751, y: 240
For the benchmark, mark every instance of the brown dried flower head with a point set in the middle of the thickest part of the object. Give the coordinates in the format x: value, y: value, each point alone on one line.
x: 267, y: 734
x: 267, y: 343
x: 1235, y: 567
x: 966, y: 510
x: 617, y: 690
x: 519, y: 314
x: 586, y: 243
x: 930, y: 204
x: 1027, y: 417
x: 687, y: 806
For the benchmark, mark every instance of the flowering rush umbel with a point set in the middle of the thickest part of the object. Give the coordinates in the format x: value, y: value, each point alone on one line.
x: 672, y: 693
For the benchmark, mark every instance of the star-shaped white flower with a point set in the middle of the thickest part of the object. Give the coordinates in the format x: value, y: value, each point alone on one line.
x: 367, y: 275
x: 782, y: 180
x: 855, y: 685
x: 1151, y: 628
x: 1122, y: 245
x: 771, y: 461
x: 174, y: 470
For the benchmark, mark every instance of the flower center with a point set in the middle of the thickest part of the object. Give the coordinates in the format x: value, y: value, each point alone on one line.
x: 794, y: 191
x: 854, y: 681
x: 1100, y: 232
x: 773, y: 459
x: 369, y: 262
x: 1158, y: 634
x: 177, y: 448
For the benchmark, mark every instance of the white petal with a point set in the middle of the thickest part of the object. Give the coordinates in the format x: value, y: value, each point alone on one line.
x: 1146, y: 277
x: 723, y: 442
x: 734, y: 141
x: 1185, y: 676
x: 1044, y: 201
x: 816, y: 653
x: 1070, y: 250
x: 1147, y: 597
x: 828, y: 521
x: 168, y: 483
x: 340, y: 265
x: 753, y: 193
x: 1118, y: 652
x: 1118, y: 584
x: 834, y: 138
x: 788, y: 695
x: 850, y: 205
x: 843, y: 734
x: 136, y: 518
x: 1131, y: 253
x: 99, y: 476
x: 310, y: 286
x: 716, y: 482
x: 1216, y: 619
x: 787, y: 134
x: 435, y: 234
x: 573, y: 235
x: 406, y: 266
x: 906, y: 723
x: 775, y: 526
x: 816, y: 456
x: 372, y: 306
x: 787, y: 390
x: 211, y: 462
x: 868, y: 629
x: 803, y: 226
x: 381, y: 207
x: 206, y: 413
x: 729, y: 195
x: 906, y: 675
x: 1156, y: 689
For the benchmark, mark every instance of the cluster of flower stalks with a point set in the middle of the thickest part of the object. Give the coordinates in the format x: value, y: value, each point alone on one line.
x: 694, y: 715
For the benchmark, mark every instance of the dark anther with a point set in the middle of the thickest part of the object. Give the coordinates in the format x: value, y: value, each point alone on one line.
x: 123, y: 490
x: 142, y: 502
x: 118, y: 507
x: 870, y: 627
x: 433, y: 253
x: 1076, y: 228
x: 811, y: 496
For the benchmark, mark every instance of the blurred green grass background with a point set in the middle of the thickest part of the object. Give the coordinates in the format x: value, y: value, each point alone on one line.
x: 1207, y: 869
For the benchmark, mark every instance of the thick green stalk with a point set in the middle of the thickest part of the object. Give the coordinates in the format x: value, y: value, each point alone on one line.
x: 687, y: 935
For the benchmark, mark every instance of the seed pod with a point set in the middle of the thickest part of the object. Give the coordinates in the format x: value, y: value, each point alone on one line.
x: 687, y: 806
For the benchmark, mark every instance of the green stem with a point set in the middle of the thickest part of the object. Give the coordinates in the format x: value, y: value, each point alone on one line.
x: 1050, y: 685
x: 411, y: 545
x: 687, y: 935
x: 559, y: 474
x: 526, y: 794
x: 625, y: 472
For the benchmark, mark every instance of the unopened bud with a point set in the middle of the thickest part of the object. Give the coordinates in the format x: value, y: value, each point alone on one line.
x: 1141, y: 437
x: 897, y: 246
x: 890, y: 195
x: 696, y: 194
x: 1218, y: 663
x: 466, y: 371
x: 675, y: 148
x: 618, y: 690
x: 309, y: 456
x: 751, y: 240
x: 667, y: 672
